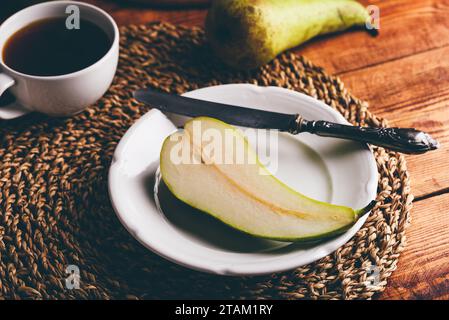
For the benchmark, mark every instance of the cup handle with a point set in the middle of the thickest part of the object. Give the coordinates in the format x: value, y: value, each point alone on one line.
x: 12, y: 110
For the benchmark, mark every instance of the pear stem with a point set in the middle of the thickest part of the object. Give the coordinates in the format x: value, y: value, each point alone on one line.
x: 373, y: 32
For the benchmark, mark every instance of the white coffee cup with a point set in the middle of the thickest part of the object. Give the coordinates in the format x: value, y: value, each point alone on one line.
x: 61, y: 95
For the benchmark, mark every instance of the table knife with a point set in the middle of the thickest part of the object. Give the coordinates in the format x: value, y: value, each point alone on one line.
x: 405, y: 140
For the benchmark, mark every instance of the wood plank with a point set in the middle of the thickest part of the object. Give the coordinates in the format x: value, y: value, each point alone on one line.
x: 423, y: 271
x: 336, y: 53
x: 128, y: 12
x: 422, y: 26
x: 412, y: 92
x: 406, y: 28
x: 134, y: 13
x: 178, y: 4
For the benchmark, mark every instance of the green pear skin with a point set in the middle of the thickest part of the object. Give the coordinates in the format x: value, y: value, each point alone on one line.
x: 239, y: 196
x: 246, y: 34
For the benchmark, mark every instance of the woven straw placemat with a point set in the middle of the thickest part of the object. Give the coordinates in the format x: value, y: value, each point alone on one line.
x: 55, y: 210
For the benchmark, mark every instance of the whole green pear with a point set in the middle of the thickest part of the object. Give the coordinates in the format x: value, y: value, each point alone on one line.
x: 246, y: 34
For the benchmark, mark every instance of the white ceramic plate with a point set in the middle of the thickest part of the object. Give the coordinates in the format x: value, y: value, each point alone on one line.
x: 332, y: 170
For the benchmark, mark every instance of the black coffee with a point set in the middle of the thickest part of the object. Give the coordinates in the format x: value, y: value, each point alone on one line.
x: 47, y: 48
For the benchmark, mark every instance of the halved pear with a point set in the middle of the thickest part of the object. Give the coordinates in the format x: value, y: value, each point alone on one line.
x: 211, y: 167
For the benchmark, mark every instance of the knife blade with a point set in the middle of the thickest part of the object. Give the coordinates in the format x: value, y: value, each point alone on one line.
x: 235, y: 115
x: 406, y: 140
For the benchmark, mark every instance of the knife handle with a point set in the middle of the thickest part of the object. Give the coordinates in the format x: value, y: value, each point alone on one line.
x: 405, y: 140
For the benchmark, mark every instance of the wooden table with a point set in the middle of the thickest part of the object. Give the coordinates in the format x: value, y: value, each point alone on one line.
x: 404, y: 75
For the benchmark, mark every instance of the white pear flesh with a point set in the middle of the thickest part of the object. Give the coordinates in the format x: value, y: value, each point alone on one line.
x: 243, y: 194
